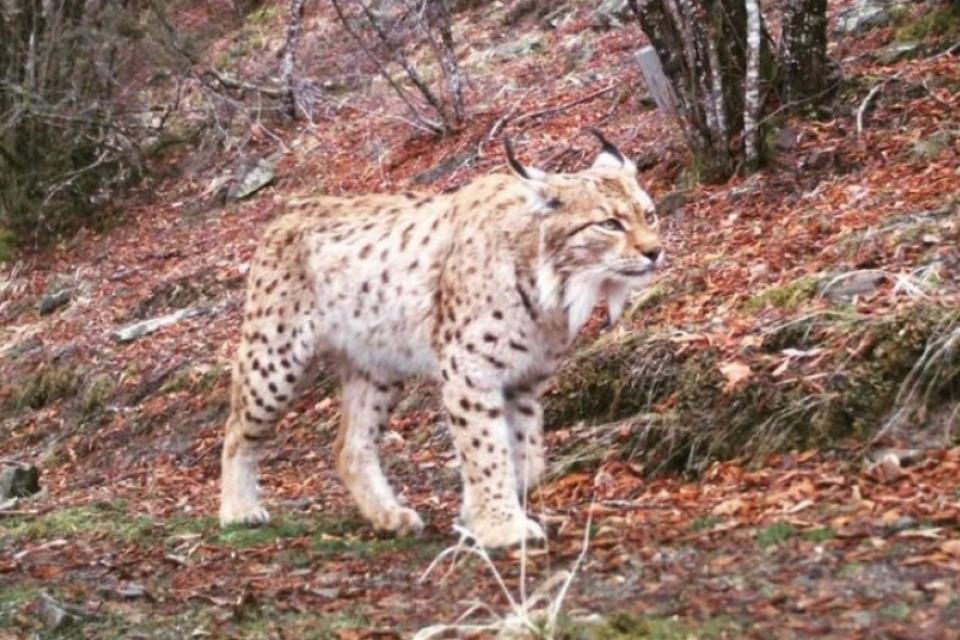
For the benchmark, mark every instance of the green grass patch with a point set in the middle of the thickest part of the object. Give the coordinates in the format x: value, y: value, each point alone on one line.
x: 46, y: 385
x: 8, y: 244
x: 328, y: 546
x: 819, y: 535
x: 12, y: 598
x: 97, y: 394
x: 93, y: 521
x: 940, y: 23
x: 788, y: 296
x: 776, y: 534
x: 283, y: 527
x: 895, y: 611
x: 624, y: 626
x: 704, y: 523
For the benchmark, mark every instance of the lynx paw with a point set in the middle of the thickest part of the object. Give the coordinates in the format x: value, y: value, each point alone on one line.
x: 506, y: 532
x: 249, y: 514
x: 402, y: 520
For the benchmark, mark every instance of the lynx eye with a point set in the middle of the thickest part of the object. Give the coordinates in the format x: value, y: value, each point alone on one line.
x: 612, y: 224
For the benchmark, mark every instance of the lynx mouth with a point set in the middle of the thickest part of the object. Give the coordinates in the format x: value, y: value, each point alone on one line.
x: 637, y: 272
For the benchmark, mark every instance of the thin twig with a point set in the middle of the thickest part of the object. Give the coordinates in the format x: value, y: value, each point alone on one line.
x: 563, y: 107
x: 865, y: 105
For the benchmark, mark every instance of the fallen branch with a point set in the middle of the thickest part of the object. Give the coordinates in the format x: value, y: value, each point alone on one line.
x: 563, y: 107
x: 865, y: 105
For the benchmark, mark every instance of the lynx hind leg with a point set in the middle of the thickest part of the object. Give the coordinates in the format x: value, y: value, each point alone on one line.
x: 275, y: 352
x: 366, y: 410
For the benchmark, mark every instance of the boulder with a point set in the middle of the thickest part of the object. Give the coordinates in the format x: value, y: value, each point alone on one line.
x: 522, y: 46
x: 610, y: 14
x: 929, y: 149
x: 844, y: 288
x: 898, y: 51
x: 252, y: 177
x: 143, y: 328
x: 53, y: 301
x: 18, y: 481
x: 863, y: 16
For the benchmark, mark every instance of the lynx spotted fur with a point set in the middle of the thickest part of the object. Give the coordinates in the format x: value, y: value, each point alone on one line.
x: 483, y: 288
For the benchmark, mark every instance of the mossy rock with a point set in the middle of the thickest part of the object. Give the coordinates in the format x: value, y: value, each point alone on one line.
x: 46, y: 385
x: 786, y: 296
x: 616, y: 377
x: 682, y: 416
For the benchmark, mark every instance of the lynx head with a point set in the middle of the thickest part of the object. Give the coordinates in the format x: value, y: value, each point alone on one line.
x: 598, y: 238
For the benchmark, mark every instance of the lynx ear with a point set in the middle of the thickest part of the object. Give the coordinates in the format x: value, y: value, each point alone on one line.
x: 529, y: 174
x: 610, y: 157
x: 540, y: 196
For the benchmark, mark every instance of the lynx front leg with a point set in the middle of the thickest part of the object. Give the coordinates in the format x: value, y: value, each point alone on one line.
x: 525, y: 417
x: 366, y: 409
x: 481, y: 434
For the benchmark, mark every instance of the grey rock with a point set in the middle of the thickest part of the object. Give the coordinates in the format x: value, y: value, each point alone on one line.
x: 252, y: 178
x: 898, y: 51
x: 844, y: 287
x: 56, y: 615
x: 143, y: 328
x: 610, y: 14
x: 785, y: 139
x: 53, y: 301
x: 522, y: 46
x: 863, y: 16
x: 672, y: 203
x: 445, y: 168
x: 19, y: 481
x: 930, y: 148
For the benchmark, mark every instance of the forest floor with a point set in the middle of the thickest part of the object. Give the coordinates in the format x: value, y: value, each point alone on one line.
x: 858, y: 539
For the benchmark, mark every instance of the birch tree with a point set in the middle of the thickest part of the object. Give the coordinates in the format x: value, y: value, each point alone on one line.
x: 288, y: 64
x: 718, y: 59
x: 700, y: 45
x: 751, y: 140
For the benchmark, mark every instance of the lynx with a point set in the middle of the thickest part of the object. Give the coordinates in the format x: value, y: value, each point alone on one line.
x: 483, y: 288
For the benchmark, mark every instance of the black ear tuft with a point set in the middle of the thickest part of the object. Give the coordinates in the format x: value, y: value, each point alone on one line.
x: 608, y: 146
x: 514, y: 163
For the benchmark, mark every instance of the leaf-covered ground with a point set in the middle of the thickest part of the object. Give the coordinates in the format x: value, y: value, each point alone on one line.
x: 854, y: 541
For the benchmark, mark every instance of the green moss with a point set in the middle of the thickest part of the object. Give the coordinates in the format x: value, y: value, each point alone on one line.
x: 328, y: 546
x: 624, y: 626
x: 819, y: 535
x: 607, y: 380
x: 776, y: 534
x: 45, y: 386
x: 200, y: 379
x: 12, y: 598
x: 940, y: 22
x: 8, y: 243
x: 681, y: 415
x: 704, y: 523
x: 787, y: 296
x: 97, y: 394
x: 241, y: 536
x: 648, y: 299
x: 98, y: 521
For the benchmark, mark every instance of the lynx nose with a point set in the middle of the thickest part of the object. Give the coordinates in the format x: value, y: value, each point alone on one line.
x: 652, y: 254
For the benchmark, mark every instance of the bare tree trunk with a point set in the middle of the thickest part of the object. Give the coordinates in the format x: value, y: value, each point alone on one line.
x: 751, y: 112
x: 448, y: 59
x: 418, y: 119
x: 392, y: 49
x: 288, y: 65
x: 700, y: 45
x: 803, y: 50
